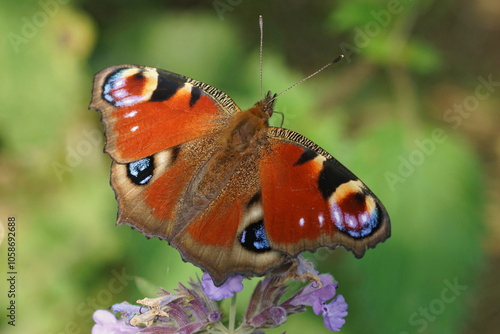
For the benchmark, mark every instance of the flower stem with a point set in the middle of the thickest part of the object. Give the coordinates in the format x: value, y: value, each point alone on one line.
x: 232, y: 314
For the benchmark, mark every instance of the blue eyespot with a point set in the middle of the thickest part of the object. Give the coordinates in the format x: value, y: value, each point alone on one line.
x: 254, y: 238
x: 141, y: 171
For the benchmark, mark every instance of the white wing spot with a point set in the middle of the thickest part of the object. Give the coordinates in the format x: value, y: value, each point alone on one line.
x: 131, y: 114
x: 301, y: 221
x: 134, y: 128
x: 321, y: 219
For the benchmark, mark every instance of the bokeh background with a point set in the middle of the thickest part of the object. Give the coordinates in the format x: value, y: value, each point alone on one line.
x: 412, y: 110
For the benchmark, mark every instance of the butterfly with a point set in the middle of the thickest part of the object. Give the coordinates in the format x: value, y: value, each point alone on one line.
x: 231, y: 193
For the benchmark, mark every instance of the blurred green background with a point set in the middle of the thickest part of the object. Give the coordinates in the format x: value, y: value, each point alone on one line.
x: 412, y: 110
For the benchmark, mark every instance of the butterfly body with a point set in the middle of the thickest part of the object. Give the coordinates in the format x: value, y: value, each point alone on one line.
x: 231, y: 193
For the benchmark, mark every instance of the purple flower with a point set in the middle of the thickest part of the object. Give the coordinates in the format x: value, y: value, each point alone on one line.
x: 189, y: 310
x: 127, y: 310
x: 333, y: 313
x: 312, y: 293
x: 107, y: 323
x: 125, y: 307
x: 231, y: 285
x: 214, y: 316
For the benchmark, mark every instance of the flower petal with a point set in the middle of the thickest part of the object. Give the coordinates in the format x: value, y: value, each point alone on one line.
x: 326, y: 279
x: 231, y: 285
x: 127, y: 308
x: 312, y: 293
x: 107, y: 323
x: 334, y: 313
x: 103, y: 317
x: 318, y: 306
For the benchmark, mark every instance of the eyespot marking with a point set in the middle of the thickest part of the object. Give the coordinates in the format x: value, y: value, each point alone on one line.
x: 353, y: 211
x: 129, y: 86
x: 254, y: 238
x: 141, y: 171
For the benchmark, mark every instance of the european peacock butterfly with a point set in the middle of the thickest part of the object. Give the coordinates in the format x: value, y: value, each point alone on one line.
x: 231, y: 193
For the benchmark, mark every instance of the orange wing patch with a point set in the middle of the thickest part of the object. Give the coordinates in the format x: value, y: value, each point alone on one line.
x: 149, y: 127
x: 294, y: 210
x: 146, y: 110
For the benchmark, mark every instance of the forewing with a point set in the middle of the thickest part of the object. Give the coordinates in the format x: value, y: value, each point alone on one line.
x: 146, y: 110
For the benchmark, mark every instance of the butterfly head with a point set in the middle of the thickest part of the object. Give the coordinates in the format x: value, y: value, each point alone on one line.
x: 267, y: 104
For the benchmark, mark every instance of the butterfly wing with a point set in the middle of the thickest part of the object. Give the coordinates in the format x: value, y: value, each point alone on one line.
x: 146, y: 110
x: 163, y: 133
x: 311, y: 200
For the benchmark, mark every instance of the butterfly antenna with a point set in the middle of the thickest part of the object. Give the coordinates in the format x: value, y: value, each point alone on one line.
x: 339, y: 58
x: 261, y: 25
